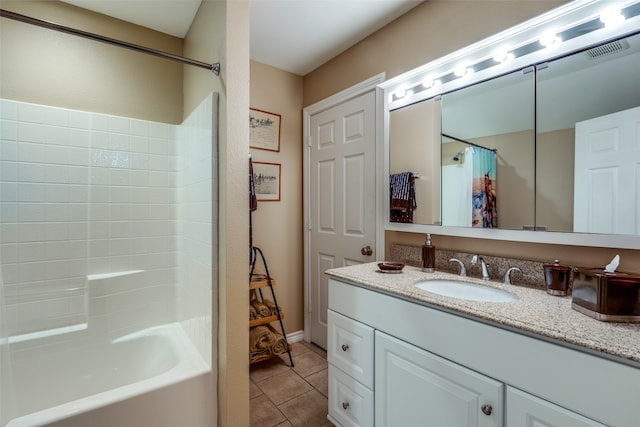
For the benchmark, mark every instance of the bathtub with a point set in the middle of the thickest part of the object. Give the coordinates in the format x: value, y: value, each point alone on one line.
x: 154, y: 377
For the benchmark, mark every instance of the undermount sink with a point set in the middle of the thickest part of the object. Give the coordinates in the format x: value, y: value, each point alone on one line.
x: 466, y: 291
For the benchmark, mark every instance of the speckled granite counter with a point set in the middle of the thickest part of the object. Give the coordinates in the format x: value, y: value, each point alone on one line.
x: 534, y: 312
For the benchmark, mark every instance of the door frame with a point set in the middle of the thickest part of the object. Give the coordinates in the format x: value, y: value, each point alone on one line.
x: 371, y: 84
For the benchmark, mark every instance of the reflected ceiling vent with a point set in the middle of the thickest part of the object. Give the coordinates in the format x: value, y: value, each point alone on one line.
x: 607, y: 49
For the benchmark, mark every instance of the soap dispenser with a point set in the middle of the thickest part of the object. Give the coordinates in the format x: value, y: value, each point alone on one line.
x: 428, y: 256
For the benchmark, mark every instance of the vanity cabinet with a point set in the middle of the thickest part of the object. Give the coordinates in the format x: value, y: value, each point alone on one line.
x: 350, y: 355
x: 414, y: 386
x: 524, y: 409
x: 415, y: 364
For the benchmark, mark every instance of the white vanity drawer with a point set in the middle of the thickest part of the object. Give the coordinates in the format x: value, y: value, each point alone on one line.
x: 350, y: 403
x: 350, y: 347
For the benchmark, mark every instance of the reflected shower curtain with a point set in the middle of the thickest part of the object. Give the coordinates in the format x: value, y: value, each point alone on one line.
x: 484, y: 203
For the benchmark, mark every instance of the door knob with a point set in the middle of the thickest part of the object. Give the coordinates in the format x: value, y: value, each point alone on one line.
x: 486, y: 409
x: 345, y: 405
x: 366, y: 251
x: 345, y: 347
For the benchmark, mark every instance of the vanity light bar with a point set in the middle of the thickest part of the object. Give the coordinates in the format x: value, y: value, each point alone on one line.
x: 611, y: 16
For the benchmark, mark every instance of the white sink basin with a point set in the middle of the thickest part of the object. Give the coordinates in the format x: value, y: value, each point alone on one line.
x: 466, y: 291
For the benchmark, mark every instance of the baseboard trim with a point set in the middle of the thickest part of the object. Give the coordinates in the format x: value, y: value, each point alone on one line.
x: 294, y: 337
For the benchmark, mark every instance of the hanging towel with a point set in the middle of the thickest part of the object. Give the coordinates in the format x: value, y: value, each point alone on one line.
x: 403, y: 197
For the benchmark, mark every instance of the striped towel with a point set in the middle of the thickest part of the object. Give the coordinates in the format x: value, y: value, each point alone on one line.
x: 403, y: 197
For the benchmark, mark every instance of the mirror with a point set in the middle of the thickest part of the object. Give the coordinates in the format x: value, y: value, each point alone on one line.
x: 588, y: 140
x: 532, y: 118
x: 488, y: 146
x: 415, y: 132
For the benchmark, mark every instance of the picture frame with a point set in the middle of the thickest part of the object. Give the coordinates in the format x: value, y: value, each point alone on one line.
x: 264, y: 130
x: 266, y: 178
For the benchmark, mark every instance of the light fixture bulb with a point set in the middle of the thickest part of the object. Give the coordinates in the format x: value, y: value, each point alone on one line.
x: 503, y: 56
x: 400, y: 92
x: 612, y: 17
x: 550, y: 39
x: 461, y: 70
x: 430, y: 83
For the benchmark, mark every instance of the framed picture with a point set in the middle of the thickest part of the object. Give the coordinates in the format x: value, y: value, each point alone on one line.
x: 266, y: 178
x: 264, y: 130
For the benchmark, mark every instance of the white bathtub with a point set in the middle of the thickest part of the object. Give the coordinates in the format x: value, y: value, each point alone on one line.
x: 154, y: 377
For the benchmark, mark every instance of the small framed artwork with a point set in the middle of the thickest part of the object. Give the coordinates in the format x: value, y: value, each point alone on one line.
x: 266, y: 178
x: 264, y: 130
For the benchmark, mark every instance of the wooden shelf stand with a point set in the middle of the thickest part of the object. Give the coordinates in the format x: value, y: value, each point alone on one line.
x: 257, y: 282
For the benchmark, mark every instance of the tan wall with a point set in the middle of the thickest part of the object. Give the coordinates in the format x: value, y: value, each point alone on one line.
x: 42, y: 66
x: 277, y: 226
x: 431, y: 30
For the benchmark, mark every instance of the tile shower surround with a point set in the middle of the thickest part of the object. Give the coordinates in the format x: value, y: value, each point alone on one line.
x: 84, y: 194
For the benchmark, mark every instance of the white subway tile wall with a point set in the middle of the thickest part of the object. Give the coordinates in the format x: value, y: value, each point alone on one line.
x: 197, y: 186
x: 83, y: 194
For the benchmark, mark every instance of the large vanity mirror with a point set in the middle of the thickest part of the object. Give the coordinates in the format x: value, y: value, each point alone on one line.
x: 552, y: 145
x: 587, y: 140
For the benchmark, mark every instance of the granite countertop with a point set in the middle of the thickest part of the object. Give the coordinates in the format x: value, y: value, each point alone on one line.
x: 534, y: 312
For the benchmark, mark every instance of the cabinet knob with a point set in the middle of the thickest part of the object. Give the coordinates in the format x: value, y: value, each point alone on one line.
x: 486, y: 409
x: 366, y: 251
x: 345, y: 347
x: 345, y: 405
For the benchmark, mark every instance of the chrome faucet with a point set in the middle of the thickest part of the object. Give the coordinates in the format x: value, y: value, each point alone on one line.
x: 485, y: 271
x: 507, y: 275
x: 463, y: 270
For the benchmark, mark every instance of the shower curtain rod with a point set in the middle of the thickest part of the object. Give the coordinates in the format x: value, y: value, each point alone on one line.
x: 215, y: 67
x: 495, y: 150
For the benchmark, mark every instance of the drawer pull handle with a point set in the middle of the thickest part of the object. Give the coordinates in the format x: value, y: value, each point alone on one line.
x: 345, y: 405
x: 486, y: 409
x: 345, y: 347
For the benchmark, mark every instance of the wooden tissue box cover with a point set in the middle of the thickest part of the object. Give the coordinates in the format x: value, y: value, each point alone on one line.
x: 610, y: 297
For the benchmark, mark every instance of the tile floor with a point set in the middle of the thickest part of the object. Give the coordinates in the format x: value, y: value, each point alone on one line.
x: 282, y: 396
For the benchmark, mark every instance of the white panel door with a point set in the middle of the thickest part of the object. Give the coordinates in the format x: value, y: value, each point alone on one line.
x: 416, y: 388
x: 342, y: 197
x: 607, y: 174
x: 525, y: 410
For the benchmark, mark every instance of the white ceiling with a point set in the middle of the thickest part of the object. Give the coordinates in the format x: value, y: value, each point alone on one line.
x: 292, y: 35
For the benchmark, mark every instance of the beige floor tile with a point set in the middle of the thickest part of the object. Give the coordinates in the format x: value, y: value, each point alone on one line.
x: 309, y: 363
x: 300, y: 347
x: 283, y: 387
x: 285, y: 424
x: 320, y: 381
x: 254, y: 390
x: 307, y: 410
x: 319, y: 350
x: 267, y: 368
x: 263, y: 413
x: 297, y: 349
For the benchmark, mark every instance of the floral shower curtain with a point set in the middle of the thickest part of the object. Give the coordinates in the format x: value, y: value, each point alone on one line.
x: 484, y: 203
